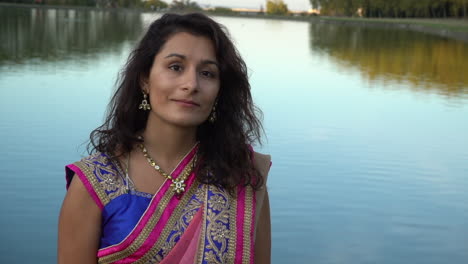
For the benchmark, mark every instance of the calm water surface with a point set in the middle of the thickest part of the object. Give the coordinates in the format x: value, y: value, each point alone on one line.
x: 368, y: 129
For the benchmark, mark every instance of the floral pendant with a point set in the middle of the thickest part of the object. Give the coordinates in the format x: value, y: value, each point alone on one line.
x: 178, y: 186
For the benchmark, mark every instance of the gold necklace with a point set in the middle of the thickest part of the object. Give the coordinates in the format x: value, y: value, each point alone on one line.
x: 178, y: 185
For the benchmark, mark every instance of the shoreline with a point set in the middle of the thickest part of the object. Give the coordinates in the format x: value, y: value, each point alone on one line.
x: 448, y: 28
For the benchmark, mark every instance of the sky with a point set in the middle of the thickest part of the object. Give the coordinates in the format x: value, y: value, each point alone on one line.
x: 296, y: 5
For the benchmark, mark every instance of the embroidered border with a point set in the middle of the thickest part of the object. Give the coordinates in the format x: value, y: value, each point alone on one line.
x: 104, y: 176
x: 218, y: 229
x: 89, y: 169
x: 149, y: 227
x: 240, y: 217
x: 141, y: 194
x: 192, y: 208
x: 201, y: 243
x: 233, y: 227
x: 133, y: 247
x: 87, y: 184
x: 246, y: 254
x: 151, y: 255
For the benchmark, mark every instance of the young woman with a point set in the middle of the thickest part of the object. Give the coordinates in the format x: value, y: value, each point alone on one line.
x: 172, y: 177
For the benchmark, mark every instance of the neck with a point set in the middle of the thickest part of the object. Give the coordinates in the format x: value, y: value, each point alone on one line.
x: 168, y: 143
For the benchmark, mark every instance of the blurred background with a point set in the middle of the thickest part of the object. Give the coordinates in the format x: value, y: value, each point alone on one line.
x: 365, y: 108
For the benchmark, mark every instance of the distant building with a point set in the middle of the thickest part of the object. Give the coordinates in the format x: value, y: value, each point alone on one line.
x: 313, y: 11
x: 360, y: 12
x: 247, y: 11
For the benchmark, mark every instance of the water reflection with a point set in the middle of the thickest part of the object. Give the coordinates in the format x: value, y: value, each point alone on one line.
x: 422, y: 62
x: 29, y: 34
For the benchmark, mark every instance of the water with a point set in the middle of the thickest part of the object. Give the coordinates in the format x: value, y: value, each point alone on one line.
x: 367, y: 129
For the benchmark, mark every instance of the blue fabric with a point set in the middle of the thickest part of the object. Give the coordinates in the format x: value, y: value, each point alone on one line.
x: 120, y: 216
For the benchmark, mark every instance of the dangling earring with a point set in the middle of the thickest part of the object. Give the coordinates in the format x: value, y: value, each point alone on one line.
x: 212, y: 117
x: 144, y: 104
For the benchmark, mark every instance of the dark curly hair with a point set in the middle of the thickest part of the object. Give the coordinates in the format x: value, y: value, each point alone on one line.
x: 225, y: 144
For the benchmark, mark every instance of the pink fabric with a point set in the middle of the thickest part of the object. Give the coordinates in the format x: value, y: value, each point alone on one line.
x: 139, y: 227
x: 252, y: 228
x: 186, y: 248
x: 87, y: 185
x: 147, y: 215
x: 191, y: 254
x: 155, y: 233
x: 240, y: 224
x: 240, y: 218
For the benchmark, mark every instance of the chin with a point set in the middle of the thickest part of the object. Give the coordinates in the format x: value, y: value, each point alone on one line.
x: 188, y: 122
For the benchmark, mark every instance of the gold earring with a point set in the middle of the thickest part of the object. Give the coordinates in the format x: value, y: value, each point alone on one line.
x: 145, y: 106
x: 212, y: 117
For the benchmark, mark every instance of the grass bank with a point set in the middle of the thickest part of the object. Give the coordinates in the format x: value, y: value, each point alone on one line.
x: 449, y: 28
x: 456, y: 25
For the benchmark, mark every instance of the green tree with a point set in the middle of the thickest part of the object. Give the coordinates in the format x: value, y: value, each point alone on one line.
x: 461, y: 8
x: 155, y: 4
x: 276, y: 7
x: 394, y: 8
x: 128, y: 3
x: 315, y: 4
x: 222, y: 10
x: 184, y: 5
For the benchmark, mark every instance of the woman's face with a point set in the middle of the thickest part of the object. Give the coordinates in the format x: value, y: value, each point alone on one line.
x: 184, y: 81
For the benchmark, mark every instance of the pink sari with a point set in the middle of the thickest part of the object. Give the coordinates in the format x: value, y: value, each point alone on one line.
x: 204, y: 225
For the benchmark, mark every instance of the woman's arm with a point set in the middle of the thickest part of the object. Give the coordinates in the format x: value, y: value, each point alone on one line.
x: 263, y: 234
x: 262, y: 250
x: 79, y: 226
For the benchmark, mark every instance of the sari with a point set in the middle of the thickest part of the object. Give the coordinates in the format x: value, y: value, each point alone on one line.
x: 205, y: 224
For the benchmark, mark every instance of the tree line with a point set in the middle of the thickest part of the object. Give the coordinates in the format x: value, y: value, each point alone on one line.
x: 175, y: 5
x: 393, y: 8
x: 273, y: 7
x: 276, y: 7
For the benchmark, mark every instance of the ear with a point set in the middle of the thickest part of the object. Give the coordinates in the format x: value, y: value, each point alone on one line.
x: 144, y: 84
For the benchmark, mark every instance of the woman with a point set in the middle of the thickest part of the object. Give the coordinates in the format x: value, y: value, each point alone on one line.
x: 173, y: 178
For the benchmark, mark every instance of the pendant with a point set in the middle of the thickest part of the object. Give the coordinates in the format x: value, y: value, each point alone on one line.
x: 178, y: 186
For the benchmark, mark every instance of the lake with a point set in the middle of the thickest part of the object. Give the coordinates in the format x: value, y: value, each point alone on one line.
x: 367, y: 127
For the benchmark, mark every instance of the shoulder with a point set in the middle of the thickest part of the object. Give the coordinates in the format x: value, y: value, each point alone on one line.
x: 262, y: 163
x: 97, y: 159
x: 79, y: 225
x: 90, y: 167
x: 100, y: 176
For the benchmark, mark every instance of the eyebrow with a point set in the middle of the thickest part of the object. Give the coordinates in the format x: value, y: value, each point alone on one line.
x: 204, y: 62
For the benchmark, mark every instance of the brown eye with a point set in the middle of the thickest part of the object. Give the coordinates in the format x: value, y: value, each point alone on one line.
x: 208, y: 74
x: 175, y: 67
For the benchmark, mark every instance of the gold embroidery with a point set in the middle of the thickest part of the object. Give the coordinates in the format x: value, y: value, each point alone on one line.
x: 201, y: 243
x: 88, y: 170
x: 218, y: 229
x: 132, y: 248
x: 105, y: 177
x: 210, y: 257
x: 111, y: 182
x: 143, y: 236
x: 169, y: 225
x: 217, y: 202
x: 183, y: 221
x: 233, y: 227
x: 219, y: 232
x: 247, y: 225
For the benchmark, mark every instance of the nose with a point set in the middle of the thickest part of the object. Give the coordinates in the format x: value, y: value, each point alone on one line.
x: 191, y: 81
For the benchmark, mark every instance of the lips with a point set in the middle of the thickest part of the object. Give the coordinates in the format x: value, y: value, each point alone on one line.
x: 186, y: 102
